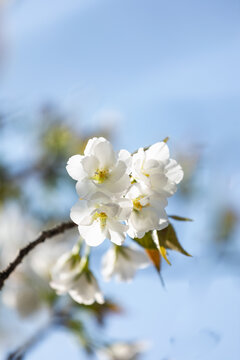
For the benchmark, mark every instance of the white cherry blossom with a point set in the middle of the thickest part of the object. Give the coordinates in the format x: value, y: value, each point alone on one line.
x: 154, y: 168
x: 85, y: 289
x: 72, y: 275
x: 148, y: 211
x: 122, y: 262
x: 100, y: 169
x: 123, y: 351
x: 23, y: 292
x: 101, y: 218
x: 65, y: 270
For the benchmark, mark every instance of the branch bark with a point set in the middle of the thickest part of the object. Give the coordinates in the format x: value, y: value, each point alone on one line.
x: 46, y: 234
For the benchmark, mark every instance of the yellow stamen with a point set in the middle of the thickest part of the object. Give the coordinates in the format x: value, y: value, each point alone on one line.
x: 101, y: 217
x: 100, y: 175
x: 137, y: 205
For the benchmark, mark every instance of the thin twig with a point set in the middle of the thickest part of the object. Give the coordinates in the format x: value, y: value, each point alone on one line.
x: 58, y: 319
x: 20, y: 352
x: 46, y: 234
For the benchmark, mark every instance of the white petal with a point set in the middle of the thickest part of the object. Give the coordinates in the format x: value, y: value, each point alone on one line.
x: 82, y: 292
x: 92, y: 143
x: 169, y: 189
x: 139, y: 157
x: 138, y: 258
x: 174, y: 171
x: 116, y: 237
x: 92, y: 234
x: 117, y: 231
x: 158, y: 202
x: 74, y: 167
x: 85, y: 188
x: 126, y: 206
x: 105, y: 154
x: 118, y: 171
x: 158, y: 151
x: 108, y: 262
x: 110, y: 209
x: 81, y: 213
x: 142, y: 221
x: 86, y: 291
x: 90, y: 164
x: 123, y: 270
x: 151, y: 164
x: 120, y: 186
x: 158, y: 181
x: 126, y: 157
x: 99, y: 197
x: 134, y: 191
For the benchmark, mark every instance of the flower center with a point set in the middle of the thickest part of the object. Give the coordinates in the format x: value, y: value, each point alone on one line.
x: 100, y: 175
x: 137, y: 204
x: 101, y: 217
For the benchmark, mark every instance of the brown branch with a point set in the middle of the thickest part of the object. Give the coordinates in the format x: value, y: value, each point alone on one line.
x: 46, y: 234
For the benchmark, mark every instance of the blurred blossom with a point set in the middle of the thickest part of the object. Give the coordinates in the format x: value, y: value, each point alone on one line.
x: 22, y: 292
x: 123, y: 351
x: 16, y: 230
x: 85, y: 289
x: 122, y: 262
x: 27, y: 290
x: 171, y: 68
x: 71, y: 274
x: 44, y: 257
x: 189, y: 160
x: 226, y: 223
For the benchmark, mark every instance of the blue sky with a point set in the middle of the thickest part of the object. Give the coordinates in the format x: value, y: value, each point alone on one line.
x: 166, y: 68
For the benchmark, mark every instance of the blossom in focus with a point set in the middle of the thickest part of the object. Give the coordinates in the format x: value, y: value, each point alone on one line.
x: 154, y: 168
x: 101, y: 218
x: 123, y: 262
x: 123, y: 351
x: 148, y: 211
x: 100, y: 169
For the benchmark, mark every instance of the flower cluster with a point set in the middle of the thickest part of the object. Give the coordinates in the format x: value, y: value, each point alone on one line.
x: 119, y: 194
x: 122, y: 193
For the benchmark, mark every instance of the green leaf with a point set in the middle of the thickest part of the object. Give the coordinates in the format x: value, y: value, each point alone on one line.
x: 180, y: 218
x: 146, y: 242
x: 161, y: 240
x: 168, y: 239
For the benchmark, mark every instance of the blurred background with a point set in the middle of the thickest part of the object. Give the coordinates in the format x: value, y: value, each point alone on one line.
x: 135, y: 72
